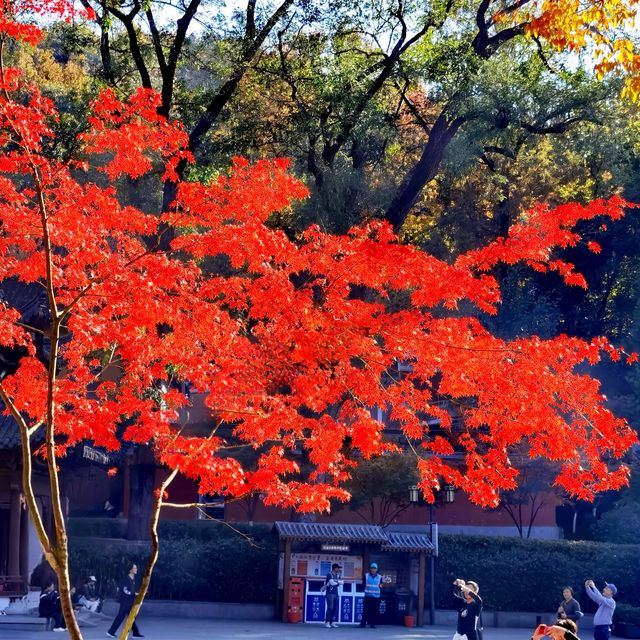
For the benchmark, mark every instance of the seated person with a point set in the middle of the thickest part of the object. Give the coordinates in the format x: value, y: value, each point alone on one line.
x: 49, y: 607
x: 75, y: 600
x: 89, y: 597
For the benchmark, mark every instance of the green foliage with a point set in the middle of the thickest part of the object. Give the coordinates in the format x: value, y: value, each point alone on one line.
x: 621, y: 524
x: 626, y: 613
x: 200, y: 560
x: 380, y: 487
x: 97, y: 527
x: 540, y: 568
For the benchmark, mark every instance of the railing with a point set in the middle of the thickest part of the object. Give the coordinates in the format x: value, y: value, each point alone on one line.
x: 12, y: 586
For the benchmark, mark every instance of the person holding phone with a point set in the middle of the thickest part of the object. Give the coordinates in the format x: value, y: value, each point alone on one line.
x: 332, y: 586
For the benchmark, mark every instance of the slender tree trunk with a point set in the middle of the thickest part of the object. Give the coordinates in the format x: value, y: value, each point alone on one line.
x: 153, y: 556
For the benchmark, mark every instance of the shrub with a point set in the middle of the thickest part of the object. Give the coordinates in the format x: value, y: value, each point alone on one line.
x: 620, y: 525
x: 210, y: 563
x: 97, y: 527
x: 626, y: 613
x: 528, y: 575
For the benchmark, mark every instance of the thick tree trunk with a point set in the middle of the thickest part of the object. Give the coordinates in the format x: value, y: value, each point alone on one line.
x: 105, y: 51
x: 141, y: 500
x: 440, y: 136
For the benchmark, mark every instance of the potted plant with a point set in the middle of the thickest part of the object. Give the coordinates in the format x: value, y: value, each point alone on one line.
x: 626, y: 621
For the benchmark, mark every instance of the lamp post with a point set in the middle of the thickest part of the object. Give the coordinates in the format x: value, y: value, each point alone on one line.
x: 447, y: 495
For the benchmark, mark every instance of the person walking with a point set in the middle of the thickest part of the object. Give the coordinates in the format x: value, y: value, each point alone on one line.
x: 332, y: 594
x: 371, y: 604
x: 127, y: 593
x: 603, y: 617
x: 569, y: 608
x: 469, y: 613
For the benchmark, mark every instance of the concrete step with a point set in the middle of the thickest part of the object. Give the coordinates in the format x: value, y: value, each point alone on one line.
x: 21, y: 623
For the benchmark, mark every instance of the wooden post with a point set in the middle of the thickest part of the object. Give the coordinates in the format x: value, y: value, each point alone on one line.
x: 14, y: 532
x: 421, y: 581
x: 285, y: 579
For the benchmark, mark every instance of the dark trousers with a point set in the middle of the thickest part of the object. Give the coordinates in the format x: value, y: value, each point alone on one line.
x: 601, y: 632
x: 54, y: 614
x: 123, y: 612
x: 332, y: 607
x: 370, y: 611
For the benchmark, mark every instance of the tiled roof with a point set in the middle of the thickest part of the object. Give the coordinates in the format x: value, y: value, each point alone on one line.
x: 389, y: 540
x: 331, y: 532
x: 28, y: 299
x: 407, y: 542
x: 9, y: 433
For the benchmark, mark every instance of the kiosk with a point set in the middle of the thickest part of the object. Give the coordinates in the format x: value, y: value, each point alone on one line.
x: 307, y: 551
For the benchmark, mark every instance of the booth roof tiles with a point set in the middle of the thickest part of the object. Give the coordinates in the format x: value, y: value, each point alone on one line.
x: 331, y: 532
x: 407, y: 542
x: 9, y: 433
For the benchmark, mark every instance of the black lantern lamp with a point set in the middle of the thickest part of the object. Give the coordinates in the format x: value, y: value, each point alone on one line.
x: 447, y: 495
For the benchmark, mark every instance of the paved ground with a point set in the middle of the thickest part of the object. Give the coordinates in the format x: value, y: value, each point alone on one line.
x: 190, y: 629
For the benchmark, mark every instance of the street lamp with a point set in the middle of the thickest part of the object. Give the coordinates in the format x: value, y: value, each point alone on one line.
x: 447, y: 495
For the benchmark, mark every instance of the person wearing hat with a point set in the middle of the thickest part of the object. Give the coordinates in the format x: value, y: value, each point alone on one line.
x: 372, y: 585
x: 603, y: 617
x: 89, y: 597
x: 332, y: 595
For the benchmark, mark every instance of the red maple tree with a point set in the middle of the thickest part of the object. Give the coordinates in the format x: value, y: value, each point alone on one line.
x: 295, y: 343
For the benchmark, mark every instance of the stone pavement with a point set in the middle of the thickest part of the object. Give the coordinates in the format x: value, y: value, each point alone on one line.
x: 189, y: 629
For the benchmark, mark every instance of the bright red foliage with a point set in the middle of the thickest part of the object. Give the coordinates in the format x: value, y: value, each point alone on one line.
x: 296, y: 346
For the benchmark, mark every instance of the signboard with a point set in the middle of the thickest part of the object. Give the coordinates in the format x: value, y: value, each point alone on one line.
x: 344, y: 548
x: 315, y: 608
x: 358, y: 608
x: 318, y: 565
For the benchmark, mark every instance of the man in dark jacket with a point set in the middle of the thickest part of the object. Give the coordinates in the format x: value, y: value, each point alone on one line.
x: 50, y: 608
x: 332, y: 594
x: 43, y: 575
x: 127, y: 594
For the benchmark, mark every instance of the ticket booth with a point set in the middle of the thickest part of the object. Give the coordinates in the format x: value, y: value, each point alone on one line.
x: 307, y: 551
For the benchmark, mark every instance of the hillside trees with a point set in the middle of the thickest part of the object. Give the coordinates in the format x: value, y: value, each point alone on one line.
x: 337, y: 62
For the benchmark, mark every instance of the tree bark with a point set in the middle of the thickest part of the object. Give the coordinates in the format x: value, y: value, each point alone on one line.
x: 141, y: 500
x: 440, y: 136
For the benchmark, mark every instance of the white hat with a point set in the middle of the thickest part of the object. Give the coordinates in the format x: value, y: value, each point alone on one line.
x: 92, y: 579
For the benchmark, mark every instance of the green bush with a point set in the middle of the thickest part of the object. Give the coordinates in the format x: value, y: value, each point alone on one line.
x: 208, y: 561
x: 97, y: 527
x: 528, y: 575
x: 626, y: 613
x: 196, y: 562
x: 620, y: 525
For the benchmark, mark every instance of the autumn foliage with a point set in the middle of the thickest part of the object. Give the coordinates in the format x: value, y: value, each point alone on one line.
x: 298, y: 343
x: 295, y: 341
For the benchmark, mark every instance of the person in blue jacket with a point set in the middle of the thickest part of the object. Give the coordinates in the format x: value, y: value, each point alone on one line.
x: 372, y: 585
x: 603, y: 617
